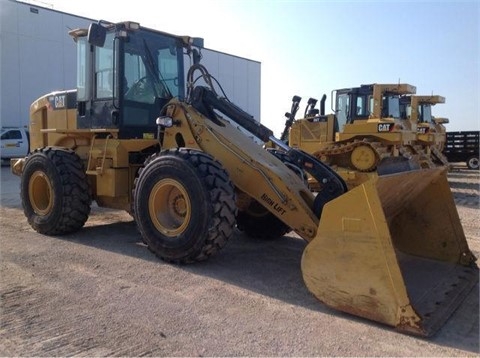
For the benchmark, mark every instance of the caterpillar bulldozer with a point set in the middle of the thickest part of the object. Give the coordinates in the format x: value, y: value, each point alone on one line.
x: 391, y: 250
x: 365, y: 132
x: 431, y: 132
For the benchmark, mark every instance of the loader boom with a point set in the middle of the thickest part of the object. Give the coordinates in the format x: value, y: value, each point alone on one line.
x: 207, y: 101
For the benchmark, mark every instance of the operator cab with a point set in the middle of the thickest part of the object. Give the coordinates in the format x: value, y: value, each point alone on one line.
x: 125, y: 75
x: 423, y: 111
x: 358, y: 104
x: 351, y: 104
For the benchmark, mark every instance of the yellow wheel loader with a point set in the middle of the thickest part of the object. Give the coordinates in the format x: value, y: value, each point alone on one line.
x: 133, y: 137
x: 431, y: 132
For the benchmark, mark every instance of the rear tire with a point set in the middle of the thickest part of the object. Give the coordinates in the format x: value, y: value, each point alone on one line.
x: 472, y: 163
x: 184, y: 205
x: 55, y: 192
x: 257, y: 221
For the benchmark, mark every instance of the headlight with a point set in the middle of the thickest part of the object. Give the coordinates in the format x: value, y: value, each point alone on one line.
x: 166, y: 122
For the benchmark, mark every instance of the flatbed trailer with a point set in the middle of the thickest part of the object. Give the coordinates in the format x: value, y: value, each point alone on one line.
x: 463, y: 146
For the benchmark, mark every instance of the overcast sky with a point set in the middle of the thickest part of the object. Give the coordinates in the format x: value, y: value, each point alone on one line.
x: 309, y: 48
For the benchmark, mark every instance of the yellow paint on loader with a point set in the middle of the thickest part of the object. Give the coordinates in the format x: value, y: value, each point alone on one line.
x: 393, y: 250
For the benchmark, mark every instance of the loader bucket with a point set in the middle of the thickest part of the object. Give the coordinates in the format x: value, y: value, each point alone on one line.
x: 393, y: 250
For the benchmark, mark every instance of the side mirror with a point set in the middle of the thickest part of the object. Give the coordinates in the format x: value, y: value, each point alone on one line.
x: 96, y: 35
x: 197, y: 42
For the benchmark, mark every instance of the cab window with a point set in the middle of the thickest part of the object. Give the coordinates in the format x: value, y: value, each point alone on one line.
x: 425, y: 113
x: 12, y: 134
x: 391, y: 107
x: 104, y: 69
x: 343, y: 104
x: 361, y: 108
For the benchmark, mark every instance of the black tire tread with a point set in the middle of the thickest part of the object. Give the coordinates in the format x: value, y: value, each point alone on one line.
x: 222, y: 195
x: 76, y: 197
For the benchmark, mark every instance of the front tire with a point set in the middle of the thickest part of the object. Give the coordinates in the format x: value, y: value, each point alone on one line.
x: 184, y: 205
x: 55, y: 192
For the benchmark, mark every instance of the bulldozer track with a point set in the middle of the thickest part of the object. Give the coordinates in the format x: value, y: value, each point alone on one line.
x: 439, y: 155
x: 336, y: 150
x: 416, y: 153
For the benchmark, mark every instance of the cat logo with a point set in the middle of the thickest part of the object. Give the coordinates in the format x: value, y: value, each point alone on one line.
x: 57, y: 101
x: 384, y: 127
x: 422, y: 130
x: 60, y: 101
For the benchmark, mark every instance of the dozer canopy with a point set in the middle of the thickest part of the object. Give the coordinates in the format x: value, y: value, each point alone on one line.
x: 393, y: 250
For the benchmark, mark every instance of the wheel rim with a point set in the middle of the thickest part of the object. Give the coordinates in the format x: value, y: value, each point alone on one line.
x: 473, y: 163
x: 40, y: 193
x: 169, y: 207
x: 363, y: 158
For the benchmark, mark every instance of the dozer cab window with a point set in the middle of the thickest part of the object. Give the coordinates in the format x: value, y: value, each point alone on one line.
x: 405, y: 109
x: 391, y: 107
x: 360, y: 107
x: 425, y: 113
x: 342, y: 106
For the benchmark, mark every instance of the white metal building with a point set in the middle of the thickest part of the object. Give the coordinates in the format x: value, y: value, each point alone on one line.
x: 37, y: 56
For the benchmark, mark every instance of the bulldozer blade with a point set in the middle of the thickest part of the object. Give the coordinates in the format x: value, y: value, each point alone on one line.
x: 393, y: 250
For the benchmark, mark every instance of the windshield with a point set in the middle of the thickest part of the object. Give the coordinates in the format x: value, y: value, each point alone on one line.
x: 152, y: 67
x: 425, y: 113
x: 391, y: 107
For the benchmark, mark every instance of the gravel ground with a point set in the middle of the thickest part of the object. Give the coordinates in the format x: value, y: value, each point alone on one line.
x: 100, y: 292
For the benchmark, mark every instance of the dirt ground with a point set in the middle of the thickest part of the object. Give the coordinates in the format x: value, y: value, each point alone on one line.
x: 100, y: 292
